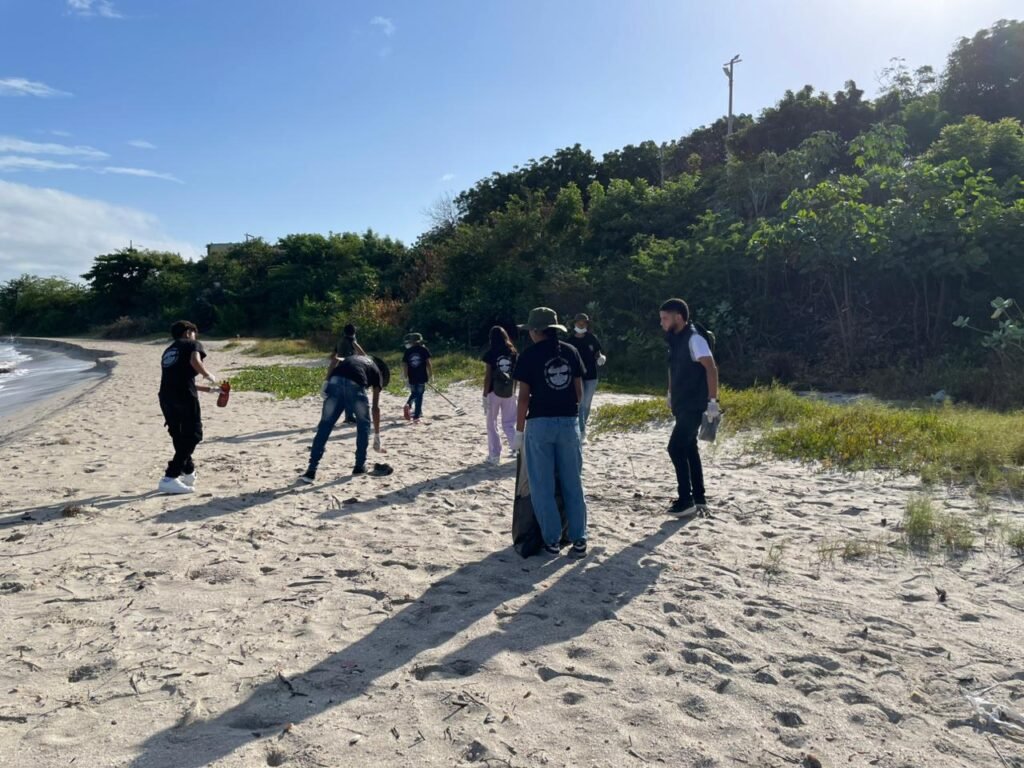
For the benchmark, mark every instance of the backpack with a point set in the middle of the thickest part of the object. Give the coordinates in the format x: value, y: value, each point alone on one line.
x: 502, y: 383
x: 708, y: 335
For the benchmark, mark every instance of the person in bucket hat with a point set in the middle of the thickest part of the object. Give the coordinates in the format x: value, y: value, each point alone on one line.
x: 550, y: 376
x: 417, y: 371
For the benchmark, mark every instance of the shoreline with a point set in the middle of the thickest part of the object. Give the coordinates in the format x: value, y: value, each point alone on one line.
x: 24, y: 416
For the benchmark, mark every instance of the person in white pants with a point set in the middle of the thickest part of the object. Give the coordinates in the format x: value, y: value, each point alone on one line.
x: 499, y: 392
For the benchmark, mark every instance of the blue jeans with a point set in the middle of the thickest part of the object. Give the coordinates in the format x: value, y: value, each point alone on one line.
x: 554, y: 443
x: 342, y: 394
x: 589, y: 388
x: 416, y: 399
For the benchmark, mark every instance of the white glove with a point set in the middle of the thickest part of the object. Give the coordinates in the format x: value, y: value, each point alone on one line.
x: 211, y: 380
x: 487, y: 405
x: 517, y: 441
x: 668, y: 399
x: 601, y: 359
x: 713, y: 411
x: 376, y: 444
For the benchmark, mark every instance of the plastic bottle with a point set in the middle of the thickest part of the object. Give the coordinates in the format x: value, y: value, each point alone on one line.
x: 225, y: 393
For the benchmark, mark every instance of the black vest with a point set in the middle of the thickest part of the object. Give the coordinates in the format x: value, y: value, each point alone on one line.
x: 689, y: 378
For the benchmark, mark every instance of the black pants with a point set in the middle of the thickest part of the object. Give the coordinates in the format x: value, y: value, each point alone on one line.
x: 682, y: 448
x: 185, y: 424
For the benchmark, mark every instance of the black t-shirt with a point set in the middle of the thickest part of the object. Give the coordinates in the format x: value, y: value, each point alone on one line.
x: 502, y: 363
x: 415, y: 358
x: 589, y: 348
x: 549, y: 372
x: 178, y: 377
x: 360, y: 369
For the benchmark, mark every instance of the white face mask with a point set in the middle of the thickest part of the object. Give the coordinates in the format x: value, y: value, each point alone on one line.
x: 580, y: 330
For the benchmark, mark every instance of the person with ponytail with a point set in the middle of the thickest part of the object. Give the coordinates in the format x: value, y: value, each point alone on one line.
x: 550, y: 376
x: 499, y: 390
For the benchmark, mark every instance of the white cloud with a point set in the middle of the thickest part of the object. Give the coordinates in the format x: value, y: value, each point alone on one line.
x: 21, y: 163
x: 141, y: 144
x: 12, y: 144
x: 17, y: 163
x: 387, y: 26
x: 448, y: 177
x: 50, y: 232
x: 143, y: 172
x: 104, y: 8
x: 19, y: 86
x: 62, y: 134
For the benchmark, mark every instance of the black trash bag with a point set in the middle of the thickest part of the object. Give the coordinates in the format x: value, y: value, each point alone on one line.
x: 526, y: 538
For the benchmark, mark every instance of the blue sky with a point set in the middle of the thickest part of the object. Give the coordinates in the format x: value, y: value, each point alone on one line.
x: 175, y: 123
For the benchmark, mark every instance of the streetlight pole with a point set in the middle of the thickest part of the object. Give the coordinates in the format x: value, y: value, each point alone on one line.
x: 727, y: 68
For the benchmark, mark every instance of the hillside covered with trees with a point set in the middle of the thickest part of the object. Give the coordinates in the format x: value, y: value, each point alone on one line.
x: 835, y: 242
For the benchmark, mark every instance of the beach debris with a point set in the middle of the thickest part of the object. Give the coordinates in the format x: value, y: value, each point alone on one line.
x: 998, y: 716
x: 941, y: 594
x: 810, y: 761
x: 72, y: 510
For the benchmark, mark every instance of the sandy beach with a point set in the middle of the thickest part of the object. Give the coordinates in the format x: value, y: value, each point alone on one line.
x: 387, y: 622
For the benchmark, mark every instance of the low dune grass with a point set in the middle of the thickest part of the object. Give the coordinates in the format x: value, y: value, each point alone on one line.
x: 941, y: 443
x: 293, y: 381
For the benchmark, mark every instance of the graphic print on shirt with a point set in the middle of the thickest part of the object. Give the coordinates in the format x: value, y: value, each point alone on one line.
x: 557, y: 373
x: 415, y: 360
x: 170, y: 357
x: 504, y: 364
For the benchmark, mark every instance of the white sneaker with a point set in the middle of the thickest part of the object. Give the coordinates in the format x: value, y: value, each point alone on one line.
x: 189, y: 480
x: 513, y: 453
x: 173, y: 485
x: 494, y: 459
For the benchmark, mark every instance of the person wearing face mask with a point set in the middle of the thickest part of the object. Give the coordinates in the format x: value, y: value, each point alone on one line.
x: 589, y: 347
x: 417, y: 371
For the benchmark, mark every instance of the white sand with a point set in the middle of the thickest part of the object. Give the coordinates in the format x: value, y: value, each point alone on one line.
x: 386, y: 621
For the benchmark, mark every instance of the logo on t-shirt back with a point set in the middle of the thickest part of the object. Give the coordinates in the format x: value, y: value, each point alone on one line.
x: 415, y: 361
x: 504, y: 364
x: 557, y: 373
x: 170, y: 357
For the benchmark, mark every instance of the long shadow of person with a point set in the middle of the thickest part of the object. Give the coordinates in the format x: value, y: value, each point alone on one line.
x: 451, y: 605
x: 67, y: 508
x: 457, y: 480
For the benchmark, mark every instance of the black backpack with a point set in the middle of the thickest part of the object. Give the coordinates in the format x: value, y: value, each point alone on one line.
x: 502, y: 382
x: 709, y: 336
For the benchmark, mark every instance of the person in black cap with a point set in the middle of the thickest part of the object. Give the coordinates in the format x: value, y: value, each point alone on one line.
x: 347, y: 382
x: 589, y: 347
x: 692, y: 393
x: 550, y: 376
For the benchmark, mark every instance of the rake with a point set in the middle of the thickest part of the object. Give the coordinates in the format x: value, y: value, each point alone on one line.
x: 458, y: 408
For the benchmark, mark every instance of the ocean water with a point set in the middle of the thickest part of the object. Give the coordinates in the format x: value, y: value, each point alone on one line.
x: 38, y: 373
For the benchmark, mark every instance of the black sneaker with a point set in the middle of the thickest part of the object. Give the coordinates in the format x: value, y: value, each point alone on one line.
x: 308, y: 477
x: 682, y: 508
x: 579, y: 548
x: 552, y: 549
x: 359, y: 469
